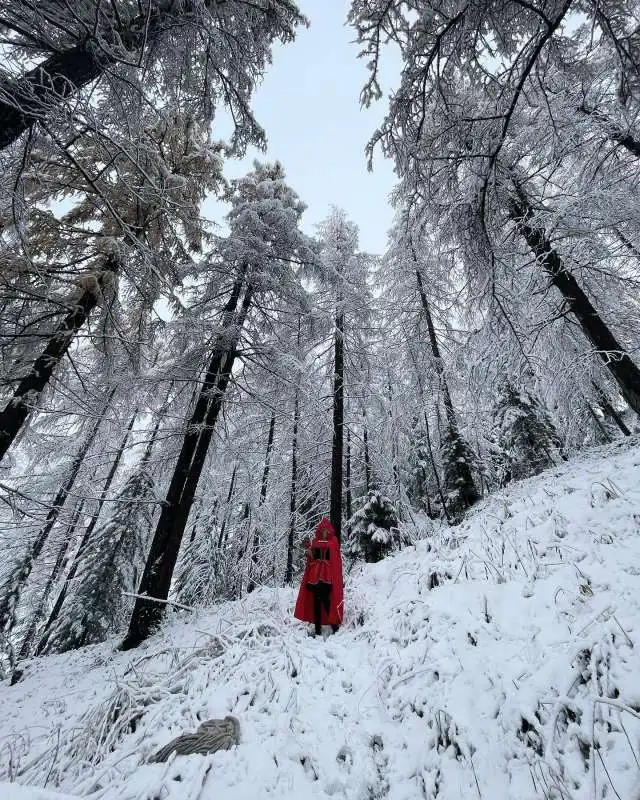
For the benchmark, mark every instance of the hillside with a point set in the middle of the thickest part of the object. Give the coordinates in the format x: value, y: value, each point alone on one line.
x: 485, y: 661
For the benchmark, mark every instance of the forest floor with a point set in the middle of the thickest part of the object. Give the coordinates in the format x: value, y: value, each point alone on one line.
x: 496, y: 659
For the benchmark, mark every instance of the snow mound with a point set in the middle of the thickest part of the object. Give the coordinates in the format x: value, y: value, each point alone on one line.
x: 495, y: 659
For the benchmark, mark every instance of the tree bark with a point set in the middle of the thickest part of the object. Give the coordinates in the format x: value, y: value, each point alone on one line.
x: 335, y: 512
x: 255, y: 549
x: 28, y: 391
x: 614, y: 131
x: 293, y: 502
x: 38, y: 93
x: 622, y: 369
x: 609, y: 410
x: 225, y: 520
x: 599, y: 425
x: 156, y: 579
x: 86, y: 538
x: 367, y: 461
x: 349, y: 494
x: 452, y: 419
x: 469, y: 491
x: 427, y: 430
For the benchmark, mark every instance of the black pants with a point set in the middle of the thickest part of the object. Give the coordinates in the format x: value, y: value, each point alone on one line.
x: 321, y: 598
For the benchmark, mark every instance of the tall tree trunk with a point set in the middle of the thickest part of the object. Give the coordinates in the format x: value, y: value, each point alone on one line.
x: 293, y: 502
x: 460, y: 467
x: 435, y: 469
x: 19, y: 577
x: 599, y: 425
x: 158, y: 571
x: 38, y: 93
x: 349, y: 493
x: 427, y: 429
x: 394, y: 442
x: 616, y: 359
x: 86, y: 538
x: 609, y: 410
x: 225, y: 520
x: 255, y: 549
x: 335, y: 512
x: 367, y: 459
x: 28, y: 391
x: 452, y: 419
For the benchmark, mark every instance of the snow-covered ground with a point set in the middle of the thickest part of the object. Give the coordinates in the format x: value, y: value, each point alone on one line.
x: 486, y: 661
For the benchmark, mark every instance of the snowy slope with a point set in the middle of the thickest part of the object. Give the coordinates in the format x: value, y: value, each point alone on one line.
x: 483, y: 662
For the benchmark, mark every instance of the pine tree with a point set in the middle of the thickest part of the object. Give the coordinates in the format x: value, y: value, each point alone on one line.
x: 263, y: 247
x: 373, y: 529
x: 526, y: 440
x: 207, y: 571
x: 110, y: 566
x: 420, y: 469
x: 457, y: 463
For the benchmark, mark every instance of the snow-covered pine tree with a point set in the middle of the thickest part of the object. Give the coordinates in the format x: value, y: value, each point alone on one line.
x: 525, y: 438
x: 109, y: 567
x: 263, y: 250
x: 479, y: 154
x: 457, y: 471
x: 419, y: 468
x: 208, y: 571
x: 373, y: 529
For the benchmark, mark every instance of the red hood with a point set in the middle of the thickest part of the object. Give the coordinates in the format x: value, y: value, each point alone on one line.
x: 325, y: 525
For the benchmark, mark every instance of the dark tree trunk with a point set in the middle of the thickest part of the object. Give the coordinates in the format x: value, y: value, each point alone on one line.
x: 293, y: 502
x: 86, y: 538
x: 28, y: 391
x: 158, y: 571
x: 37, y: 94
x: 435, y: 469
x: 614, y: 131
x: 460, y: 468
x: 452, y: 419
x: 616, y: 359
x: 609, y: 410
x: 27, y: 642
x: 335, y: 512
x: 427, y: 429
x: 255, y: 549
x: 225, y: 520
x: 349, y: 494
x: 394, y: 442
x: 599, y: 424
x: 367, y: 460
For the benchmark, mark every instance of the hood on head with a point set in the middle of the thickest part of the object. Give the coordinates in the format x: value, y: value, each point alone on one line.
x: 325, y: 525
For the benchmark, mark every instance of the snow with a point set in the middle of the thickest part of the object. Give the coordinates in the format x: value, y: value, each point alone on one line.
x: 13, y: 791
x: 481, y: 662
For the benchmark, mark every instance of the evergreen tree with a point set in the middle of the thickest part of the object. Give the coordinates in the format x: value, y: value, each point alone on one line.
x: 207, y: 571
x: 264, y: 247
x: 420, y: 469
x: 373, y: 529
x: 109, y: 567
x: 457, y: 465
x: 526, y: 440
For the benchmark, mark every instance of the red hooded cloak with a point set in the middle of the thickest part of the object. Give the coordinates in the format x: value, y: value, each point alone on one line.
x: 324, y: 565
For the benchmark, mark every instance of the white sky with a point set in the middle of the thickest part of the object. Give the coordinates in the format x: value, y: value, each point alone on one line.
x: 309, y: 106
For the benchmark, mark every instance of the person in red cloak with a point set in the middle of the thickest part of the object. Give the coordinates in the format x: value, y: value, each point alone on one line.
x: 320, y: 599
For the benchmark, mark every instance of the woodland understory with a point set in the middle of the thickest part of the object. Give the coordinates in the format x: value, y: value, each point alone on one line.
x: 182, y: 402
